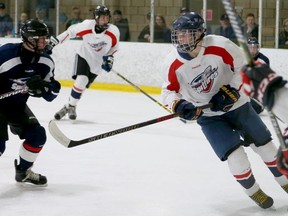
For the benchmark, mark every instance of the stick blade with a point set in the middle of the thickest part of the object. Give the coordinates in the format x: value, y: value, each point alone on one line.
x: 57, y: 134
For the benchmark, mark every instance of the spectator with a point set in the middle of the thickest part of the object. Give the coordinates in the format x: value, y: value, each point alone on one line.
x: 225, y: 28
x: 6, y: 22
x: 250, y: 28
x: 41, y: 16
x: 122, y: 24
x: 160, y: 21
x: 283, y: 36
x: 76, y: 13
x: 184, y: 10
x: 23, y: 19
x: 144, y: 35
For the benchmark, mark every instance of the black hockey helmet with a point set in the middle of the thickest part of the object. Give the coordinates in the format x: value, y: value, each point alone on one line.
x: 101, y: 10
x: 189, y: 24
x: 253, y: 46
x: 31, y: 30
x: 252, y: 40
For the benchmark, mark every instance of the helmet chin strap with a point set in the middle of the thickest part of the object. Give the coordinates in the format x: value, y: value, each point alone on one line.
x: 32, y: 47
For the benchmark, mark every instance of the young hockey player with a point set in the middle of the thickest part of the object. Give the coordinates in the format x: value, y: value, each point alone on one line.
x: 213, y: 76
x: 25, y: 66
x: 100, y: 42
x: 254, y: 49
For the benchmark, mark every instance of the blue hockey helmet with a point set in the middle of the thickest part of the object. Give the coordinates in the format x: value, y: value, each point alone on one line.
x: 187, y: 31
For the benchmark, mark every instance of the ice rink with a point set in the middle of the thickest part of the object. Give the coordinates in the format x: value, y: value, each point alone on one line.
x: 165, y: 169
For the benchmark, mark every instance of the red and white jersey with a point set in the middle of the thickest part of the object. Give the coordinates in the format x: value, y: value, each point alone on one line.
x: 94, y: 46
x: 197, y: 80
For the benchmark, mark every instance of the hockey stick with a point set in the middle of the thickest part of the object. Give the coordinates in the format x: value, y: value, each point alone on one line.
x: 14, y: 92
x: 142, y: 91
x: 64, y: 140
x: 242, y: 43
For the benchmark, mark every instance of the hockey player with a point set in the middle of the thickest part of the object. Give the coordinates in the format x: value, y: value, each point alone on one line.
x: 263, y: 84
x: 254, y: 49
x: 212, y: 76
x: 100, y: 42
x: 25, y: 66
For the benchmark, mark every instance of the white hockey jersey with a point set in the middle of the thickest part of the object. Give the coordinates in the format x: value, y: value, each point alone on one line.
x: 94, y: 46
x: 197, y: 80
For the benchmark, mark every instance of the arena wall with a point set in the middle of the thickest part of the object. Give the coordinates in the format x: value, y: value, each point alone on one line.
x: 140, y: 63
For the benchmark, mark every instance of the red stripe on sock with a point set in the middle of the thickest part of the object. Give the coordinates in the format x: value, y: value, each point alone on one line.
x: 31, y: 148
x: 272, y: 163
x: 244, y: 176
x: 77, y: 89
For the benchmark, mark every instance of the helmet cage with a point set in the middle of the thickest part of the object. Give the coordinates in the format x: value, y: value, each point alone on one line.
x: 187, y: 31
x: 186, y: 40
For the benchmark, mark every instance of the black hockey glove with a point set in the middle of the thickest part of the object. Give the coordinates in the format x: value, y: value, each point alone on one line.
x: 187, y: 110
x: 36, y: 86
x: 49, y: 47
x: 224, y: 99
x: 260, y: 82
x: 107, y: 63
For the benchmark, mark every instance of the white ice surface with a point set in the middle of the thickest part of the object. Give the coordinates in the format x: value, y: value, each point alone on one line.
x: 165, y: 169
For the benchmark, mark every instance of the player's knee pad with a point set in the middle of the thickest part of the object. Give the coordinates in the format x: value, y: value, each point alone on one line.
x: 2, y: 145
x: 267, y: 152
x: 35, y: 136
x: 238, y: 162
x: 81, y: 82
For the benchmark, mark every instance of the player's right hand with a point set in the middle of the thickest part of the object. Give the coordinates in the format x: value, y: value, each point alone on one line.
x: 187, y: 110
x: 52, y: 43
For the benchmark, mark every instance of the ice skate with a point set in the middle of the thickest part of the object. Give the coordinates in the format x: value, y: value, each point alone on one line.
x: 72, y: 112
x: 28, y: 176
x: 61, y: 113
x: 262, y: 199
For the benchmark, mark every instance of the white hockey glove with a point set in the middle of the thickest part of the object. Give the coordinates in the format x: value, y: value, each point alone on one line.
x: 49, y: 47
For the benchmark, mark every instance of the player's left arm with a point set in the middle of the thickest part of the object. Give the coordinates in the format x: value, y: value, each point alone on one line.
x: 51, y: 86
x: 113, y: 35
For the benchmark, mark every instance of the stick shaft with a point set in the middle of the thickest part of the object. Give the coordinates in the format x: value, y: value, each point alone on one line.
x: 64, y: 140
x: 142, y: 91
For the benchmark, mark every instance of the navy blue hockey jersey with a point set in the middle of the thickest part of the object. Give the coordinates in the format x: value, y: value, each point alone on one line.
x: 16, y: 66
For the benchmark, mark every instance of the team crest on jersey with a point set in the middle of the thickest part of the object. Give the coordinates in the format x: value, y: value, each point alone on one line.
x: 204, y: 81
x: 18, y: 83
x: 98, y: 46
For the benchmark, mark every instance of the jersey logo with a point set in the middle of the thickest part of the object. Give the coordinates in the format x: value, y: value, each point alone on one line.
x: 98, y: 46
x: 204, y: 81
x: 18, y: 84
